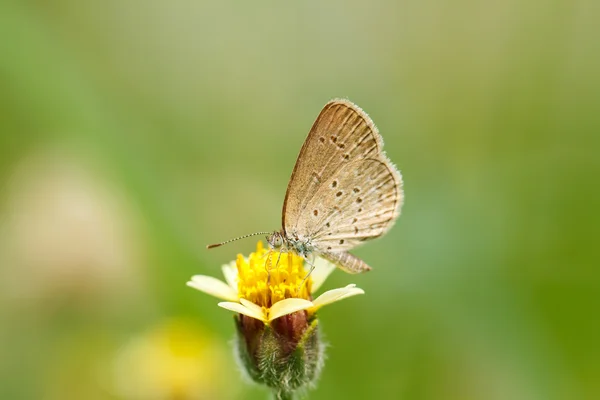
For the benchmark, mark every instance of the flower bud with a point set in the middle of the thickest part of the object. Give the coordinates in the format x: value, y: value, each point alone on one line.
x: 271, y: 292
x: 286, y: 355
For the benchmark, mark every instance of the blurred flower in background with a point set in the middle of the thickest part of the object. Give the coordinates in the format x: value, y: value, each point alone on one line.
x: 66, y: 232
x: 175, y: 360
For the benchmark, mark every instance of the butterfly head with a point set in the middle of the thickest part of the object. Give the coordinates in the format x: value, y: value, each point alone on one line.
x: 276, y: 240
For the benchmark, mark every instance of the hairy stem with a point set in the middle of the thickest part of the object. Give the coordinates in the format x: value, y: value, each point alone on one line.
x: 283, y: 395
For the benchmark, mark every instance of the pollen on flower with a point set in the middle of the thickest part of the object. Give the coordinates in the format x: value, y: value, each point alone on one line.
x: 268, y: 276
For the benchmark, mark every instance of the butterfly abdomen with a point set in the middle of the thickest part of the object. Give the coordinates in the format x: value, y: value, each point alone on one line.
x: 347, y: 262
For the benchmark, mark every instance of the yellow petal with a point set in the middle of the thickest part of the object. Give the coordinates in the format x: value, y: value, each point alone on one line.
x: 213, y: 286
x: 331, y: 296
x: 288, y: 306
x: 238, y: 308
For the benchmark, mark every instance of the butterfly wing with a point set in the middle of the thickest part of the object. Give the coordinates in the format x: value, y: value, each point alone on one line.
x: 342, y: 133
x: 361, y: 201
x: 343, y: 190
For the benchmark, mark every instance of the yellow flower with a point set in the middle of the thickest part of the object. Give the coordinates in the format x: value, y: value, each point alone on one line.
x: 278, y: 342
x: 176, y: 359
x: 269, y: 284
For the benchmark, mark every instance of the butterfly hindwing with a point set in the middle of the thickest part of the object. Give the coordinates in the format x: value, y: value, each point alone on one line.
x: 360, y: 202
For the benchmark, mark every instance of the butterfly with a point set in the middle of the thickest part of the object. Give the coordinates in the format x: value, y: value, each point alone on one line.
x: 343, y: 190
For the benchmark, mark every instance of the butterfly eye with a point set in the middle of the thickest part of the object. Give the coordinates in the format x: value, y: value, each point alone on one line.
x: 275, y: 240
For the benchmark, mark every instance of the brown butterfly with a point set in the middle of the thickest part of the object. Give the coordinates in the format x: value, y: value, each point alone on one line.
x: 343, y: 190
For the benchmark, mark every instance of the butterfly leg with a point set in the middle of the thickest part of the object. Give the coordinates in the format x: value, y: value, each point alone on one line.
x: 267, y: 255
x: 312, y: 268
x: 268, y: 263
x: 276, y: 266
x: 279, y: 257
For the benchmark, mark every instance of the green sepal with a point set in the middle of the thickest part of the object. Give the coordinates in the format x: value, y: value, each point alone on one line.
x: 243, y: 356
x: 283, y: 366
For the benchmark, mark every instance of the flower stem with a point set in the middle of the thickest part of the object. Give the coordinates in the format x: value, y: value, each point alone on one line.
x: 283, y: 395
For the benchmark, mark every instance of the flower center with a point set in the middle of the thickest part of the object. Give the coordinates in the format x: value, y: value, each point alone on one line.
x: 268, y: 276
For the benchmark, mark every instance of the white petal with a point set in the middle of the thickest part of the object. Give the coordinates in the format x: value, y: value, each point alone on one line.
x: 322, y: 270
x: 213, y: 286
x: 230, y: 272
x: 288, y: 306
x: 331, y: 296
x: 238, y: 308
x: 255, y: 307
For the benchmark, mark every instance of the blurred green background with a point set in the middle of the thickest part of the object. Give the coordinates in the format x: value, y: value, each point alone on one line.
x: 134, y: 133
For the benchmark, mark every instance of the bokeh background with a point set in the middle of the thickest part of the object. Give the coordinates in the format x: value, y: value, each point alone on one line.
x: 134, y: 133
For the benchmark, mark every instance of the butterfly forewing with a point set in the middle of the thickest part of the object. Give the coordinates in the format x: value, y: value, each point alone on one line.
x: 343, y: 190
x: 341, y: 134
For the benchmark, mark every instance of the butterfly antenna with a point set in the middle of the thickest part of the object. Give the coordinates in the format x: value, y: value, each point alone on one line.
x: 212, y: 246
